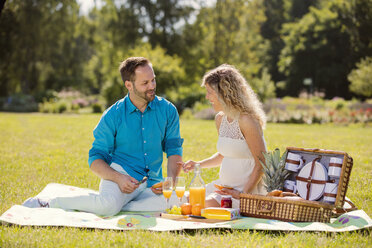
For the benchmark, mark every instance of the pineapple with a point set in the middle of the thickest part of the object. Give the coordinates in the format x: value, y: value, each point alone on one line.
x: 274, y: 171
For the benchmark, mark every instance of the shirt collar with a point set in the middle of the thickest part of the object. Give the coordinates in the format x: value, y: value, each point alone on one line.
x: 131, y: 108
x: 129, y: 105
x: 152, y: 104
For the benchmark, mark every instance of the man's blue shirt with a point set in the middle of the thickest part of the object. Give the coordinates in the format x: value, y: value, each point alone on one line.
x: 136, y: 140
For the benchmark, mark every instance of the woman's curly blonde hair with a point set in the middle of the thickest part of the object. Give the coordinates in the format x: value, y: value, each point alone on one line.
x: 234, y: 93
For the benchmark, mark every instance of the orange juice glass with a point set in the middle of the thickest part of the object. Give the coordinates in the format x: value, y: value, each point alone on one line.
x: 180, y: 188
x: 180, y: 191
x: 167, y: 193
x: 167, y: 189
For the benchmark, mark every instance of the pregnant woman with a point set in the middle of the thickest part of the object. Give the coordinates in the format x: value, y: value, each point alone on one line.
x: 240, y: 121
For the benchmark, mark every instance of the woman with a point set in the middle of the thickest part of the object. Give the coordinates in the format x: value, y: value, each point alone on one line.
x: 240, y: 121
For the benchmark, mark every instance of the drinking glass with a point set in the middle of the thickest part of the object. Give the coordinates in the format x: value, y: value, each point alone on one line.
x: 167, y: 189
x: 180, y: 188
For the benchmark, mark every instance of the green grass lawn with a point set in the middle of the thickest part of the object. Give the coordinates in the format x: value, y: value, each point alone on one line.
x: 37, y: 149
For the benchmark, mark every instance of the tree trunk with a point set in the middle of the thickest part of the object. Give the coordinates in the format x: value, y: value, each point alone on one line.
x: 2, y: 2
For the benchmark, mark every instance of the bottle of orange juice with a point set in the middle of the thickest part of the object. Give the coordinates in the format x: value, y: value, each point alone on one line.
x: 197, y: 188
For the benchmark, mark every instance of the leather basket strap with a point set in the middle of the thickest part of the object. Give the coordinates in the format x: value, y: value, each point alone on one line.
x: 308, y: 186
x: 335, y: 165
x: 305, y: 179
x: 330, y: 195
x: 331, y: 181
x: 292, y: 161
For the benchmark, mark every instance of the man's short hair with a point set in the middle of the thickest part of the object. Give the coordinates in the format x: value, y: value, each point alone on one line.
x: 127, y: 67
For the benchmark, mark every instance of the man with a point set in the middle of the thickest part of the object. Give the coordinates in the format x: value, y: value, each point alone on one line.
x: 129, y: 143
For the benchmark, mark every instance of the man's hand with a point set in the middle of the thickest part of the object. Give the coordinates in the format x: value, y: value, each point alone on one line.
x: 157, y: 191
x: 127, y: 184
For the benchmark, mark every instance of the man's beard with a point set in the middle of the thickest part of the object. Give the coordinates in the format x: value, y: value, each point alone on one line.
x: 144, y: 95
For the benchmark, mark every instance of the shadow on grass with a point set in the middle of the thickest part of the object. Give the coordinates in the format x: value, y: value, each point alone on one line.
x: 366, y: 232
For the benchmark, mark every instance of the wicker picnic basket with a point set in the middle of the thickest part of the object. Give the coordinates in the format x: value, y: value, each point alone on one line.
x: 286, y: 209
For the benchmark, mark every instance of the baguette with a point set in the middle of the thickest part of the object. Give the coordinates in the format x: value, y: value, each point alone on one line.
x: 274, y: 193
x: 284, y: 194
x: 220, y: 187
x: 157, y: 185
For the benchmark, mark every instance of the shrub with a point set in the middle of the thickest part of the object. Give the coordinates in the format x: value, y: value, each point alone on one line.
x: 81, y: 102
x: 61, y: 107
x: 46, y: 107
x: 339, y: 106
x: 186, y: 96
x: 113, y: 91
x: 70, y: 101
x: 206, y: 114
x: 264, y: 86
x: 75, y: 107
x: 361, y: 79
x: 19, y: 103
x: 97, y: 108
x: 187, y: 114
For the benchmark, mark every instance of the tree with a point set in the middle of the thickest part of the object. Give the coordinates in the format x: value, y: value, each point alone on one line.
x: 361, y: 78
x: 228, y: 33
x: 277, y: 13
x: 159, y: 20
x: 2, y: 2
x: 168, y: 71
x: 299, y: 8
x: 263, y: 86
x: 325, y: 45
x: 112, y: 31
x: 41, y: 46
x: 7, y: 33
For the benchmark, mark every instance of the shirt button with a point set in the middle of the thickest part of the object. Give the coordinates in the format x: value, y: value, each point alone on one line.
x: 144, y: 141
x: 143, y: 128
x: 142, y: 115
x: 145, y: 154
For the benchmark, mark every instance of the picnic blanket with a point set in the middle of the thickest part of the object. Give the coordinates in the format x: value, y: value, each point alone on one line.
x: 24, y: 216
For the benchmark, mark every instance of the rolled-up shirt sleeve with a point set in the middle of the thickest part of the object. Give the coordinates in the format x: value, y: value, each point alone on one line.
x: 173, y: 142
x: 104, y: 139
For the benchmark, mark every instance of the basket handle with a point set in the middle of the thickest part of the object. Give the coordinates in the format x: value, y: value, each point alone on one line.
x: 265, y: 206
x: 342, y: 210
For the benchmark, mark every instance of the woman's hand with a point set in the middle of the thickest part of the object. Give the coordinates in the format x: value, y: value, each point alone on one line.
x: 188, y: 166
x: 233, y: 192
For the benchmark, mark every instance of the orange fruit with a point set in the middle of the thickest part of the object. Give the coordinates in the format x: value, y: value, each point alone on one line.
x: 196, y: 209
x: 186, y: 209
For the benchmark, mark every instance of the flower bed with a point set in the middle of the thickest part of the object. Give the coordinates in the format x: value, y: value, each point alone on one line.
x: 296, y: 110
x: 307, y: 111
